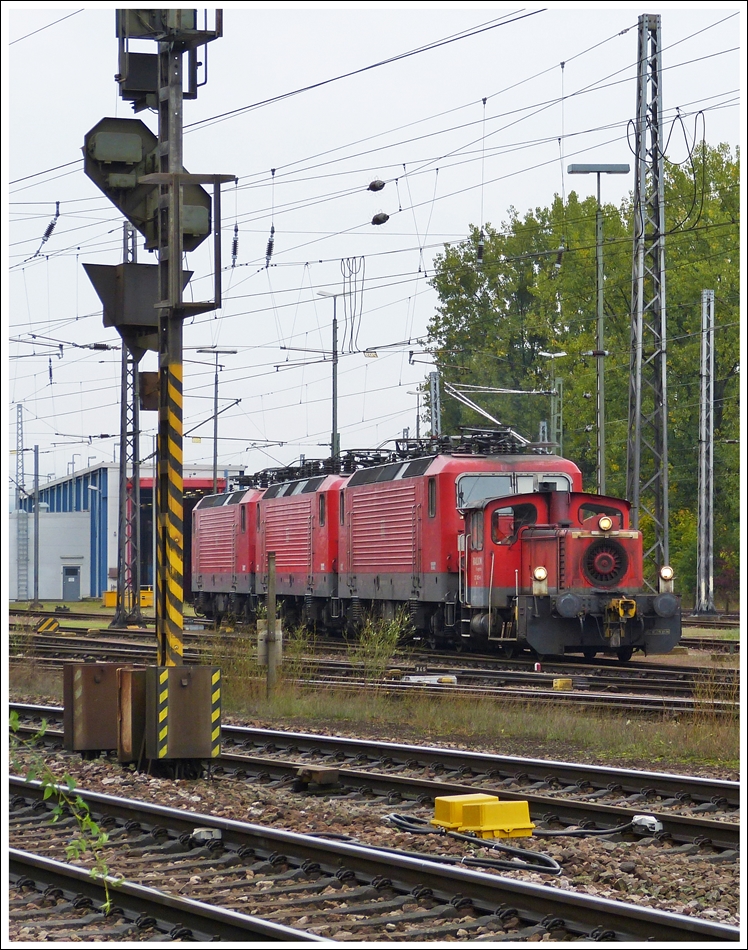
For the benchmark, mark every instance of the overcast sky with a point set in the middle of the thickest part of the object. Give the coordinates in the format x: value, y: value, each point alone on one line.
x: 559, y: 86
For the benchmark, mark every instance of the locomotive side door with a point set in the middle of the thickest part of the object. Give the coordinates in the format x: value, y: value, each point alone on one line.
x: 472, y: 558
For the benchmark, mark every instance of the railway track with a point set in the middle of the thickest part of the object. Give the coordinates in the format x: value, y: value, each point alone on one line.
x: 49, y: 899
x: 643, y: 687
x: 339, y: 890
x: 691, y: 811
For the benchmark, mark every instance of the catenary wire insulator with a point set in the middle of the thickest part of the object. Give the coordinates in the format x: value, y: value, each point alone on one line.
x: 50, y: 228
x: 235, y: 246
x: 269, y: 248
x: 52, y: 223
x: 376, y: 185
x: 559, y: 257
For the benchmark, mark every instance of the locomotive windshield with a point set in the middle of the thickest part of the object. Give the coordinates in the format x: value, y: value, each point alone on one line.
x: 476, y: 487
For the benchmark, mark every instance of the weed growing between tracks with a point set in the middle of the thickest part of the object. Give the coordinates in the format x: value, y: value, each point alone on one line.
x: 709, y: 693
x: 376, y: 643
x: 536, y: 731
x: 31, y: 679
x: 91, y: 838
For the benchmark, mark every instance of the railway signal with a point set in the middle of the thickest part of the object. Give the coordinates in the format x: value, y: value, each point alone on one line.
x: 143, y: 175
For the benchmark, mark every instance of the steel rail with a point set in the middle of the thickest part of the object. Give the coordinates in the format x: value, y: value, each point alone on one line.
x: 724, y: 835
x: 543, y: 808
x: 580, y: 913
x: 207, y: 922
x: 598, y: 776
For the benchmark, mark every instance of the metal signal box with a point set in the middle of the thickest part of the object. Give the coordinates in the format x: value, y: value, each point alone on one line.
x: 90, y: 700
x: 183, y: 712
x: 131, y: 715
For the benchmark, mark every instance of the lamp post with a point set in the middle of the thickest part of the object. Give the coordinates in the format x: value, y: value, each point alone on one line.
x: 557, y: 403
x: 216, y: 353
x: 97, y: 528
x: 335, y: 438
x: 418, y: 411
x: 599, y: 351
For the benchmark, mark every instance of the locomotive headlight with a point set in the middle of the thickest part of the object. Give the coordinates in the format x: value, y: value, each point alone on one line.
x: 666, y: 579
x: 540, y: 581
x: 605, y: 523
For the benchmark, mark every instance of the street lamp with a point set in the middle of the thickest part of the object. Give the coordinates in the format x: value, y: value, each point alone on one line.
x: 335, y: 440
x: 216, y: 353
x: 557, y: 403
x: 97, y: 547
x: 418, y: 411
x: 599, y: 351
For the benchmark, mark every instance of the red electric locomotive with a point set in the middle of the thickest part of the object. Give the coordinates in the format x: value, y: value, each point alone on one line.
x: 481, y: 544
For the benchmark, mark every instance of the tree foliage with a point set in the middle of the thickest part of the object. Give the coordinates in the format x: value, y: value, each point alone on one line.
x: 507, y: 295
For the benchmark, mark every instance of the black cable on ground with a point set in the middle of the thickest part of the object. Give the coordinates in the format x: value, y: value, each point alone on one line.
x: 523, y: 860
x: 584, y: 832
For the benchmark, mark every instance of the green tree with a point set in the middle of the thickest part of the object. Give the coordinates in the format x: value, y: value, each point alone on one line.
x: 507, y: 295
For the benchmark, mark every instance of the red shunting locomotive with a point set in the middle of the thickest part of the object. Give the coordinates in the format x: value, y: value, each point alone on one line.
x: 483, y: 546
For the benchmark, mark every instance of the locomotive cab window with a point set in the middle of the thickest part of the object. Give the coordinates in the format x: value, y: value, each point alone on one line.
x: 432, y: 498
x: 476, y: 530
x: 243, y: 510
x: 321, y: 511
x: 341, y: 504
x: 506, y: 522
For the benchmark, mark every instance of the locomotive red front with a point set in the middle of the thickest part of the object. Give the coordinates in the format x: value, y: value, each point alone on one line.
x: 487, y: 549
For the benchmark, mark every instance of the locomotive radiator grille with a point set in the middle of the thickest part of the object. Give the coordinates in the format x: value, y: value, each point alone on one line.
x: 605, y: 562
x: 383, y: 529
x: 288, y: 532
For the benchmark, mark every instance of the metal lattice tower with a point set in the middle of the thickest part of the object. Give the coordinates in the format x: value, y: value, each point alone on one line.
x: 128, y: 548
x: 647, y: 456
x: 22, y: 551
x: 705, y: 531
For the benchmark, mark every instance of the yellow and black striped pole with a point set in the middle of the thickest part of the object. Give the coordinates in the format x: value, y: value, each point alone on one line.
x: 162, y: 715
x: 215, y: 714
x: 170, y: 544
x: 170, y: 547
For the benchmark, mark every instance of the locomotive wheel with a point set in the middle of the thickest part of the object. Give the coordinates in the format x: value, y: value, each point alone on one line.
x: 589, y: 654
x: 625, y: 654
x: 509, y: 650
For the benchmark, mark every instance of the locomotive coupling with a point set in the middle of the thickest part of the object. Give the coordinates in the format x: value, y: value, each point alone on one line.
x: 623, y: 606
